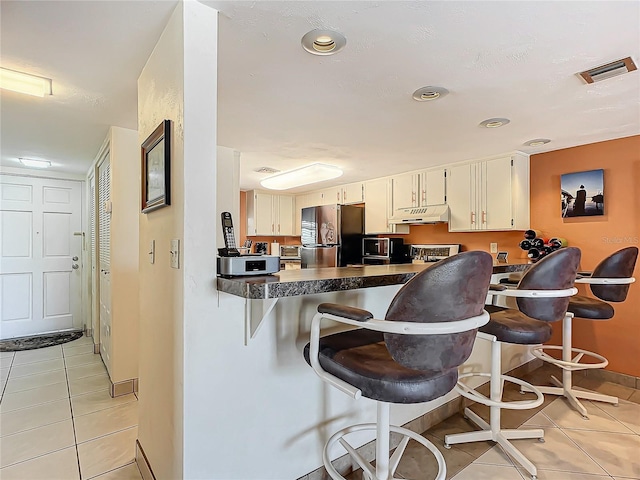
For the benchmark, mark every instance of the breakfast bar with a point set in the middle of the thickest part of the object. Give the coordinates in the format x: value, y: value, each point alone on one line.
x: 290, y: 283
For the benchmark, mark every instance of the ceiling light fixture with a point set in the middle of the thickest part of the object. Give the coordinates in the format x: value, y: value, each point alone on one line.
x: 316, y: 172
x: 323, y: 42
x: 426, y: 94
x: 494, y: 122
x: 536, y: 142
x: 25, y: 83
x: 27, y: 162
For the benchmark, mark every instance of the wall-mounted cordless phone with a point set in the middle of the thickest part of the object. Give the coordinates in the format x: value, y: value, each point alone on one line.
x: 230, y: 249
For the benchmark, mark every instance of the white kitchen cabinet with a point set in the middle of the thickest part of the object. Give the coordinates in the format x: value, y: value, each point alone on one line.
x: 420, y: 189
x: 269, y: 214
x: 285, y: 210
x: 352, y: 193
x: 378, y: 208
x: 492, y: 194
x: 344, y: 194
x: 405, y: 190
x: 330, y: 196
x: 432, y: 187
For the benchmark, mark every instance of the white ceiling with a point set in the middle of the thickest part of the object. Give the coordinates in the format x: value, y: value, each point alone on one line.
x: 282, y: 107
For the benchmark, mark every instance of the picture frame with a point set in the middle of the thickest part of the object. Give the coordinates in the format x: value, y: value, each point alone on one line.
x: 156, y: 168
x: 582, y: 194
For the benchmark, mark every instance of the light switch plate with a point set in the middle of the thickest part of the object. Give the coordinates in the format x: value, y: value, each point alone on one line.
x: 152, y: 252
x: 493, y: 247
x: 175, y: 253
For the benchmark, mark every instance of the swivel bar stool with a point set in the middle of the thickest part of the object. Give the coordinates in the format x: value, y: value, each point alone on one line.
x: 542, y: 296
x: 610, y: 282
x: 411, y: 356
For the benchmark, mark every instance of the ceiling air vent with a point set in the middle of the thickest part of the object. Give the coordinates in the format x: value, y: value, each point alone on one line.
x: 266, y: 170
x: 609, y: 70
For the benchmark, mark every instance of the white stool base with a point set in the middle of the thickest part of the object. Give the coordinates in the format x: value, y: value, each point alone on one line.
x: 501, y: 437
x: 568, y: 364
x: 385, y: 465
x: 493, y: 431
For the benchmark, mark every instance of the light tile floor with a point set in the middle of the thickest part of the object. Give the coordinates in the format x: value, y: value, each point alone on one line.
x: 604, y: 447
x: 57, y: 420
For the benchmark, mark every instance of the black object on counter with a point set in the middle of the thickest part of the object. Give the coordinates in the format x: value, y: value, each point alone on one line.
x: 525, y: 244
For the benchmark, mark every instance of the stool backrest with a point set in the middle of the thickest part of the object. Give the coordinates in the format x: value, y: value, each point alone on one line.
x: 556, y: 271
x: 619, y: 264
x: 453, y: 289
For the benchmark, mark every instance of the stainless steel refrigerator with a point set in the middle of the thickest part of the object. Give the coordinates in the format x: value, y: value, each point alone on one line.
x: 331, y: 236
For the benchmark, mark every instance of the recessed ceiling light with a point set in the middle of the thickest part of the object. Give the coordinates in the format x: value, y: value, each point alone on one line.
x: 537, y: 142
x: 25, y: 83
x: 494, y: 122
x: 316, y: 172
x: 27, y: 162
x: 426, y: 94
x: 323, y: 42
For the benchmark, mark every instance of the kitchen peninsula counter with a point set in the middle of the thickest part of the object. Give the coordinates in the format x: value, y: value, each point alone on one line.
x: 291, y: 283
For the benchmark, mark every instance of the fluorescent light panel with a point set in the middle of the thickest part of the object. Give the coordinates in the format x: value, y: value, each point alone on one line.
x: 27, y: 162
x: 25, y: 83
x: 316, y: 172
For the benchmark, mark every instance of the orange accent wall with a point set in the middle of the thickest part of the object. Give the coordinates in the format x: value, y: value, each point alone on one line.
x: 619, y: 338
x: 438, y: 233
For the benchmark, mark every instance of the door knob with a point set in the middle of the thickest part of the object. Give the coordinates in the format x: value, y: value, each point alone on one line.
x: 75, y: 259
x: 75, y: 266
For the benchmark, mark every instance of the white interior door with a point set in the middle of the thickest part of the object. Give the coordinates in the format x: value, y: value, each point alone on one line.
x: 40, y: 257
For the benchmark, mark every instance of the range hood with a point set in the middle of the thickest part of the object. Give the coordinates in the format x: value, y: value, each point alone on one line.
x: 417, y: 215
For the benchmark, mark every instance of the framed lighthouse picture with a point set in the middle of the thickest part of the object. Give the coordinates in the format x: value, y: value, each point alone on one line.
x: 582, y: 193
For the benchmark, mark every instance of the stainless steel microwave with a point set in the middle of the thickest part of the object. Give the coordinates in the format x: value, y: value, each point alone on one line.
x: 384, y: 248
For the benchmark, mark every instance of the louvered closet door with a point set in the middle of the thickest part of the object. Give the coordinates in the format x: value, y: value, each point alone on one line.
x: 93, y: 260
x: 104, y: 257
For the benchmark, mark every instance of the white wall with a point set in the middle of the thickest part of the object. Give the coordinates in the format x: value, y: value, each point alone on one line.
x: 227, y: 189
x: 178, y: 83
x: 160, y: 97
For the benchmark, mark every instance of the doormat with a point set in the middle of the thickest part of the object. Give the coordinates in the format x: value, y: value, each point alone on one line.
x: 38, y: 341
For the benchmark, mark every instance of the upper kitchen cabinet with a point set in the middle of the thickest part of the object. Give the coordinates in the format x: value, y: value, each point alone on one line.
x: 432, y: 187
x: 378, y: 208
x: 492, y: 194
x: 269, y: 214
x: 421, y: 189
x: 352, y: 193
x: 405, y: 190
x: 343, y: 195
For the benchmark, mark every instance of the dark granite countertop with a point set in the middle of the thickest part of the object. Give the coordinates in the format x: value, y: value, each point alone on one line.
x: 290, y: 283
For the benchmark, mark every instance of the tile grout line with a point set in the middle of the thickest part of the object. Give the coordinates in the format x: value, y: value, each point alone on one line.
x: 561, y: 429
x: 73, y: 423
x: 4, y: 387
x: 113, y: 470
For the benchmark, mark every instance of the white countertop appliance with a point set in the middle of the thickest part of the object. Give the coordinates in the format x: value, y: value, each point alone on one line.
x: 248, y: 265
x: 432, y: 253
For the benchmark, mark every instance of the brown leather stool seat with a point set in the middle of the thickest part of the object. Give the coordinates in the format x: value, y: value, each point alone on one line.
x: 360, y: 358
x: 512, y: 326
x: 590, y: 308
